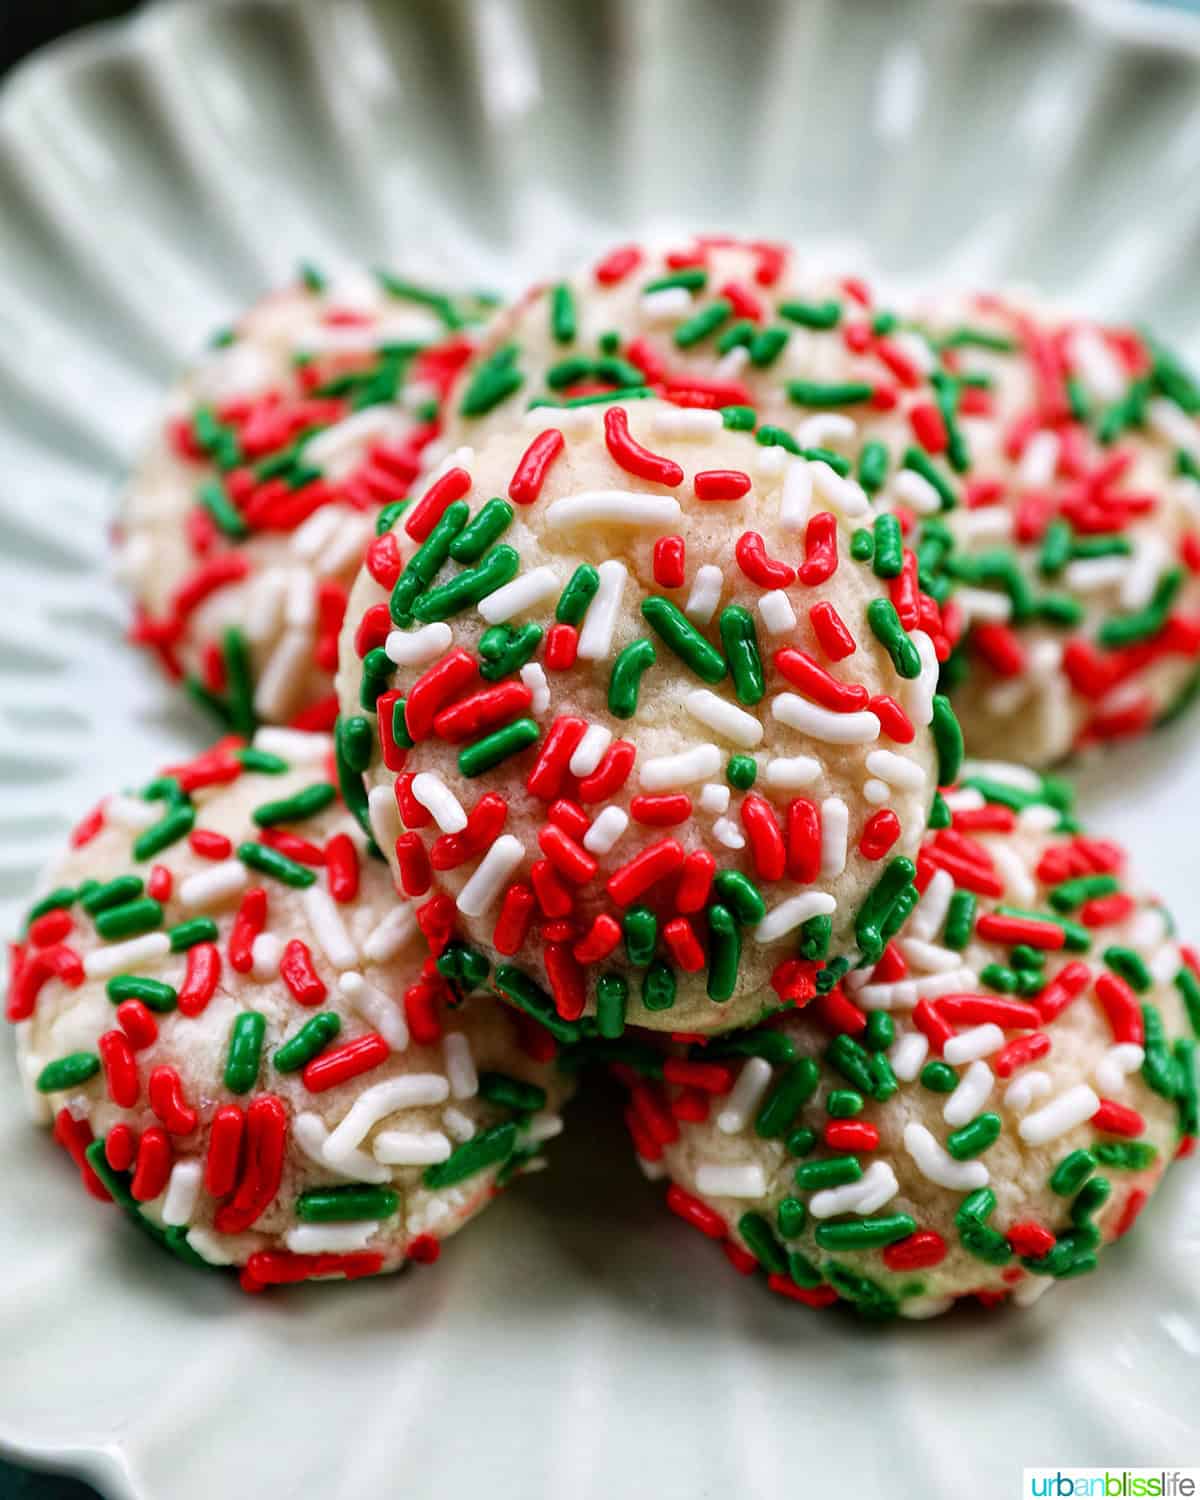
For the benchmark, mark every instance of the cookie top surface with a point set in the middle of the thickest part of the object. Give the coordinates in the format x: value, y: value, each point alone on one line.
x: 625, y: 763
x: 220, y: 986
x: 980, y: 1113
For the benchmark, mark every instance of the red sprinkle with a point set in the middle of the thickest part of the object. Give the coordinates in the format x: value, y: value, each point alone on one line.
x: 803, y: 840
x: 250, y: 920
x: 1121, y: 1007
x: 721, y: 484
x: 820, y: 549
x: 695, y: 881
x: 629, y: 454
x: 153, y: 1165
x: 340, y: 1064
x: 646, y: 868
x: 526, y: 483
x: 168, y: 1101
x: 993, y: 927
x: 435, y: 687
x: 696, y: 1213
x: 137, y: 1023
x: 120, y: 1069
x: 750, y: 552
x: 684, y: 946
x: 1029, y: 1238
x: 767, y: 847
x: 831, y: 633
x: 428, y: 511
x: 262, y: 1167
x: 516, y: 913
x: 662, y: 810
x: 669, y: 556
x: 1118, y: 1119
x: 201, y: 976
x: 916, y: 1252
x: 1019, y: 1052
x: 297, y: 972
x: 881, y: 831
x: 562, y: 647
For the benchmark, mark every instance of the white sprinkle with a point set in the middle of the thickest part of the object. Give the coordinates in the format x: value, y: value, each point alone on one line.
x: 1025, y: 1088
x: 183, y: 1188
x: 835, y: 828
x: 929, y: 957
x: 787, y: 772
x: 328, y: 928
x: 872, y: 1190
x: 383, y: 815
x: 934, y: 986
x: 413, y: 648
x: 1018, y: 883
x: 1098, y: 366
x: 823, y: 724
x: 919, y: 691
x: 652, y: 1171
x: 795, y: 499
x: 907, y: 1055
x: 295, y: 745
x: 915, y: 491
x: 299, y: 601
x: 725, y: 718
x: 921, y: 1308
x: 1089, y: 575
x: 265, y: 953
x: 846, y: 494
x: 596, y: 633
x: 459, y: 1127
x: 1171, y: 422
x: 705, y: 595
x: 393, y: 932
x: 590, y: 750
x: 685, y: 422
x: 285, y: 666
x: 1060, y: 1115
x: 490, y: 876
x: 991, y: 523
x: 378, y: 1009
x: 265, y: 605
x: 1150, y: 558
x: 315, y: 533
x: 612, y: 508
x: 970, y: 1096
x: 542, y: 1126
x: 1030, y: 1290
x: 410, y: 1091
x: 980, y: 1041
x: 664, y: 773
x: 524, y: 592
x: 727, y: 833
x: 935, y: 1163
x: 572, y: 421
x: 825, y: 429
x: 330, y: 1239
x: 717, y: 1180
x: 101, y: 962
x: 932, y: 908
x: 214, y: 1248
x: 1020, y: 777
x: 349, y: 437
x: 670, y: 304
x: 743, y: 1100
x: 432, y: 793
x: 310, y: 1134
x: 132, y: 812
x: 1116, y: 1064
x: 777, y: 613
x: 607, y: 827
x: 901, y: 994
x: 1039, y: 460
x: 768, y: 462
x: 896, y: 770
x: 989, y: 605
x: 207, y: 887
x: 876, y: 792
x: 793, y: 913
x: 714, y: 799
x: 460, y: 1065
x: 410, y: 1148
x: 533, y: 675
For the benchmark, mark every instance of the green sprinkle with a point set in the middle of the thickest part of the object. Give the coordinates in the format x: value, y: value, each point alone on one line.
x: 526, y: 994
x: 340, y: 1205
x: 791, y: 1217
x: 811, y: 314
x: 769, y: 436
x: 985, y: 1244
x: 1129, y: 1156
x: 118, y: 892
x: 815, y: 937
x: 175, y: 825
x: 1070, y: 1173
x: 389, y: 514
x: 658, y: 986
x: 886, y: 1083
x: 484, y: 528
x: 844, y: 1104
x: 889, y: 547
x: 700, y: 325
x: 271, y: 862
x: 1069, y: 894
x: 562, y: 314
x: 313, y: 1037
x: 129, y: 919
x: 873, y: 466
x: 880, y: 1032
x: 960, y: 920
x: 801, y: 1269
x: 507, y: 650
x: 739, y: 418
x: 1186, y: 1100
x: 626, y: 677
x: 947, y: 739
x: 601, y: 398
x: 862, y: 544
x: 760, y: 1240
x: 411, y: 291
x: 426, y: 562
x: 1056, y: 548
x: 939, y: 813
x: 939, y: 1077
x: 724, y: 954
x: 1128, y: 630
x: 470, y: 586
x: 238, y: 674
x: 400, y: 734
x: 484, y: 1149
x: 1129, y: 965
x: 58, y: 899
x: 979, y: 338
x: 483, y: 754
x: 892, y: 636
x: 185, y: 935
x: 303, y: 804
x: 872, y: 915
x: 739, y: 334
x: 640, y: 929
x: 868, y: 1297
x: 793, y: 1090
x: 212, y: 498
x: 801, y: 1141
x: 767, y: 345
x: 352, y: 743
x: 580, y: 591
x: 494, y: 381
x: 153, y: 993
x: 741, y: 771
x: 973, y: 1138
x: 511, y: 1093
x: 245, y: 1051
x: 1189, y: 987
x: 1158, y: 1069
x: 465, y: 965
x: 865, y: 1234
x: 738, y: 892
x: 830, y: 1172
x: 839, y: 465
x: 740, y: 640
x: 920, y: 462
x: 691, y: 278
x: 775, y: 1046
x: 68, y: 1072
x: 678, y: 632
x: 841, y: 393
x: 612, y: 996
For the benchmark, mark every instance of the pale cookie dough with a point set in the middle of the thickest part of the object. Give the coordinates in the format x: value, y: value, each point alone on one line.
x: 1074, y: 553
x: 228, y: 1015
x: 669, y: 721
x: 980, y: 1114
x: 249, y: 512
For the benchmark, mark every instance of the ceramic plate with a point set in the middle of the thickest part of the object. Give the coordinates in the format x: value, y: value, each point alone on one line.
x: 578, y: 1341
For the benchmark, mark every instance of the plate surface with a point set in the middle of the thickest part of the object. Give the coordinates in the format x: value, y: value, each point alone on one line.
x: 578, y: 1341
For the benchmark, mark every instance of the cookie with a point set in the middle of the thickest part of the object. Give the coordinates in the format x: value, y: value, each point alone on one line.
x: 977, y: 1116
x: 641, y: 705
x: 228, y: 1017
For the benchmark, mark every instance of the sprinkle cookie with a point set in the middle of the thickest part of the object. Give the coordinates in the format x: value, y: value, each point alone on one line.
x: 976, y: 1116
x: 223, y: 1009
x: 644, y: 708
x: 247, y: 518
x: 1074, y: 554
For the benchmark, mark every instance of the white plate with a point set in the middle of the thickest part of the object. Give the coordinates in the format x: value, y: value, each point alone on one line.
x: 578, y: 1341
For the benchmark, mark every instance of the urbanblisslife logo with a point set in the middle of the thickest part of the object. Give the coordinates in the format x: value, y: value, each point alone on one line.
x: 1112, y: 1484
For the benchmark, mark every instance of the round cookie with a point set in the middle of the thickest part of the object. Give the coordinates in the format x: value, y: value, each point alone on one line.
x: 247, y: 516
x: 227, y: 1015
x: 1075, y: 554
x: 980, y: 1114
x: 636, y: 769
